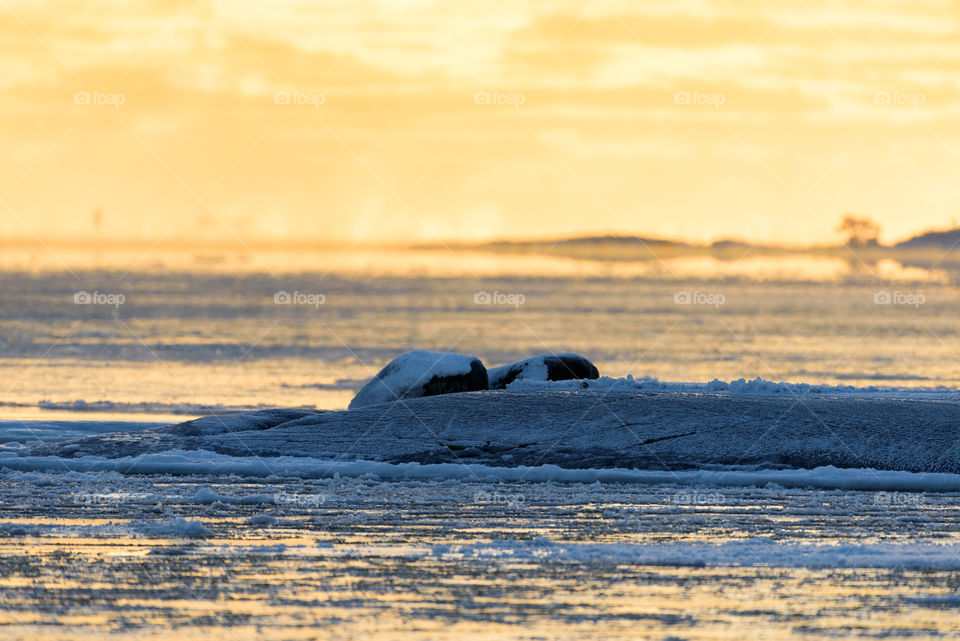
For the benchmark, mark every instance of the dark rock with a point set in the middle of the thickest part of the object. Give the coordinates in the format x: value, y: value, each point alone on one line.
x: 422, y: 373
x: 546, y: 367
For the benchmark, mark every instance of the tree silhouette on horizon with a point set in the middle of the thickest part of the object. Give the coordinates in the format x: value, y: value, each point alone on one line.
x: 861, y: 231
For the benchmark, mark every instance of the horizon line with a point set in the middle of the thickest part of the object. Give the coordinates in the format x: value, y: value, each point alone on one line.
x: 239, y: 242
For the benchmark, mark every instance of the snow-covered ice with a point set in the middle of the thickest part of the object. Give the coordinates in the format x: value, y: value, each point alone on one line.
x: 572, y: 429
x: 163, y: 554
x: 626, y: 508
x: 202, y: 462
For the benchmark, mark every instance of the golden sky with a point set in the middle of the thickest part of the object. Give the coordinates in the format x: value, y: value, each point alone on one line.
x: 421, y: 120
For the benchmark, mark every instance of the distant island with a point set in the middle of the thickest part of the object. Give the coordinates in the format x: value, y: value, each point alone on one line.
x: 933, y: 248
x: 948, y: 239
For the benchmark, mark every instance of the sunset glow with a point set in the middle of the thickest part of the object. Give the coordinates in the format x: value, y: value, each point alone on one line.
x: 424, y: 121
x: 459, y: 321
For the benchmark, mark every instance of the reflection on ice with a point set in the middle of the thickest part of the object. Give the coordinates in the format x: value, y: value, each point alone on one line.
x: 441, y: 559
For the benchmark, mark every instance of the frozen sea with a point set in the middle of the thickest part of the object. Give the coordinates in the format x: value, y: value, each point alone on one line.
x: 200, y: 331
x: 250, y: 538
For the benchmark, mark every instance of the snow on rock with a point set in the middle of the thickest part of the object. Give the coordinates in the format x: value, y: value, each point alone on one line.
x: 423, y: 373
x: 545, y: 367
x: 739, y: 387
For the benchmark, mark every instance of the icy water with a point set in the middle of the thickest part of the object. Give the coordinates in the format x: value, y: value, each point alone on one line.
x: 163, y: 339
x: 134, y: 557
x: 201, y: 333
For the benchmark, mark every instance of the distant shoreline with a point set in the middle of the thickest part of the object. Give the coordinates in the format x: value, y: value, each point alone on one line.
x: 597, y: 247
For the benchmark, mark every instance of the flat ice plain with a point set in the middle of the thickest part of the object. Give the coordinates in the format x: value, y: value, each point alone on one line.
x: 626, y: 509
x: 560, y: 424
